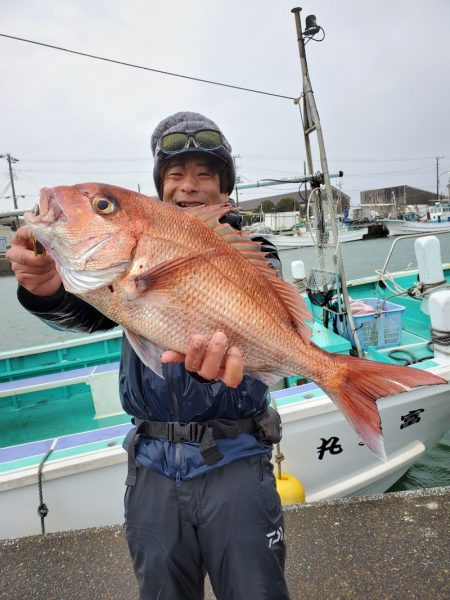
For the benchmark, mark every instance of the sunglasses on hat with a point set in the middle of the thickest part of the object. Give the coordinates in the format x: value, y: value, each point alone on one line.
x: 205, y: 139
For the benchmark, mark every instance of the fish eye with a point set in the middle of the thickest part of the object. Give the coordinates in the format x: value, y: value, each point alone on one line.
x: 103, y: 206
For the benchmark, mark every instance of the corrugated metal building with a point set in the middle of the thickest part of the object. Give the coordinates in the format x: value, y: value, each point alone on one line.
x: 394, y: 201
x: 342, y: 200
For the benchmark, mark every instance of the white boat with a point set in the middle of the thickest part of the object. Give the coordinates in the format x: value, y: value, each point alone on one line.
x: 307, y: 239
x: 437, y: 220
x: 60, y: 401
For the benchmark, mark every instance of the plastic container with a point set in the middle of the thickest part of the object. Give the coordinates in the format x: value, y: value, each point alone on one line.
x: 381, y: 329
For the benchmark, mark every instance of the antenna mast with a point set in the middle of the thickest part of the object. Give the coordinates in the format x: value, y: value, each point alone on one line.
x: 311, y: 123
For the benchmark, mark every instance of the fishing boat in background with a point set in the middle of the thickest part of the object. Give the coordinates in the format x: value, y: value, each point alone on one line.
x: 308, y: 238
x: 436, y: 220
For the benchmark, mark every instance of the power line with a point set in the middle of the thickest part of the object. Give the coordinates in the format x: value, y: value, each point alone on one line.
x: 89, y: 160
x: 147, y: 172
x: 126, y: 64
x: 388, y: 172
x: 341, y: 160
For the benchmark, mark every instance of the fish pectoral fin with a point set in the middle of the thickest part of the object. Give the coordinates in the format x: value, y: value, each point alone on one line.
x: 162, y: 279
x: 149, y: 353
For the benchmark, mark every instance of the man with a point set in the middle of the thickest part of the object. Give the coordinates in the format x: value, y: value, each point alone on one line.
x: 201, y: 493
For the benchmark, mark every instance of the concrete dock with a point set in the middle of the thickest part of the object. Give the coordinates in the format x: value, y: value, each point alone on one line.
x: 391, y: 546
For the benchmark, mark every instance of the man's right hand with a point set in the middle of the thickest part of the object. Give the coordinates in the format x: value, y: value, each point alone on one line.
x: 36, y: 273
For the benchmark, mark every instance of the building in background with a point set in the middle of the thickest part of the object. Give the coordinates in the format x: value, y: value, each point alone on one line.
x: 292, y: 201
x: 396, y: 201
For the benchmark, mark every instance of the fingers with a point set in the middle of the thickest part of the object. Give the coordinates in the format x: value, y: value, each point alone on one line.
x: 22, y: 253
x: 234, y: 367
x: 169, y: 356
x: 36, y: 273
x: 22, y: 237
x: 213, y: 360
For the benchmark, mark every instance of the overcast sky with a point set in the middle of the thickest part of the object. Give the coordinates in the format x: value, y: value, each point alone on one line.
x: 380, y: 77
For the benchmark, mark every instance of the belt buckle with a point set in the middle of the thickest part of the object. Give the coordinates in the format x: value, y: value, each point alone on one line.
x: 177, y: 432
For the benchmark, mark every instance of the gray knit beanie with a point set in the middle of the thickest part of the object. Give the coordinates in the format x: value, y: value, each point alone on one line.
x: 189, y: 122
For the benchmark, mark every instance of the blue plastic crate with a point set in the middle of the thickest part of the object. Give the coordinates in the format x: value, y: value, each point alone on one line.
x: 382, y: 329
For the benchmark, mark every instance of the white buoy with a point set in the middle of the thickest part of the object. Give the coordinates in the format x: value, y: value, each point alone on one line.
x: 298, y: 269
x: 439, y: 307
x: 298, y: 274
x: 429, y: 263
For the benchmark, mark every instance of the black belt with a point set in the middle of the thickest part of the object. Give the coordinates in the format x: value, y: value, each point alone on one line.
x: 203, y: 433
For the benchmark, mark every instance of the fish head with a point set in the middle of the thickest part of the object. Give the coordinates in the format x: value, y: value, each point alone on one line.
x: 90, y: 230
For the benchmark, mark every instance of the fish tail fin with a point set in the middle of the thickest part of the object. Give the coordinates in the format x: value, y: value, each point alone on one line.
x: 356, y: 384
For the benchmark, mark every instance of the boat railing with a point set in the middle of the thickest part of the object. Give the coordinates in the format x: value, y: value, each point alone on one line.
x: 406, y: 237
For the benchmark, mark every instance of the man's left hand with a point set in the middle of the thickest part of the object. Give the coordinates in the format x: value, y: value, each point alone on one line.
x: 212, y: 359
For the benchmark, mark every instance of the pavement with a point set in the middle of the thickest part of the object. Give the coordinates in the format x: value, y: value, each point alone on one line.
x: 390, y: 546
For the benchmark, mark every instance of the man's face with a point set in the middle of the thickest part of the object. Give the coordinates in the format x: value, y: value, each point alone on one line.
x: 192, y: 182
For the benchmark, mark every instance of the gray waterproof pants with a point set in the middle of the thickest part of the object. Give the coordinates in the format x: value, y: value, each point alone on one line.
x: 228, y: 523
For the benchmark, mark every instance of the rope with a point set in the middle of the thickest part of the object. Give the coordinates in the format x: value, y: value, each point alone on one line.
x: 279, y: 456
x: 423, y: 289
x: 440, y: 337
x: 42, y: 508
x: 387, y: 279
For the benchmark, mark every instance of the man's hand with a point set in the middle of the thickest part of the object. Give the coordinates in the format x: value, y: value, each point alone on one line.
x: 37, y: 274
x: 211, y: 360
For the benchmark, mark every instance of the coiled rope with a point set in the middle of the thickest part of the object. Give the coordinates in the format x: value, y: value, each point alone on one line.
x: 441, y: 338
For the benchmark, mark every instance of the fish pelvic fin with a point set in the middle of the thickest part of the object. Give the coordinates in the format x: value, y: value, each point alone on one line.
x: 149, y: 353
x: 355, y: 386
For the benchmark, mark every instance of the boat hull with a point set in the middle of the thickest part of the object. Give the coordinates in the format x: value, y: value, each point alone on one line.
x: 397, y: 227
x: 287, y: 242
x: 324, y: 452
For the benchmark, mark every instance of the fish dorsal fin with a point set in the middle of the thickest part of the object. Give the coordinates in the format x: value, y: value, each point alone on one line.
x: 209, y: 214
x: 251, y: 250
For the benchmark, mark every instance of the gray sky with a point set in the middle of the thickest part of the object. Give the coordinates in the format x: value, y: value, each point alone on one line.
x: 380, y: 77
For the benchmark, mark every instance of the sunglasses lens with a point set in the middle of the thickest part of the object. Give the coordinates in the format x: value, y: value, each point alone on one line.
x: 174, y: 142
x: 208, y: 139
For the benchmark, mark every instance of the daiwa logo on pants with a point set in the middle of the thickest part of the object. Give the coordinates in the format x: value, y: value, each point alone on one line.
x: 275, y: 536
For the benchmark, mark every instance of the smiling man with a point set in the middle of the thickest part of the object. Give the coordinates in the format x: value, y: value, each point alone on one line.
x: 201, y: 495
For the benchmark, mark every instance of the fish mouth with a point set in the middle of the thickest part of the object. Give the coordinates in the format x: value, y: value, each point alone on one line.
x: 47, y: 211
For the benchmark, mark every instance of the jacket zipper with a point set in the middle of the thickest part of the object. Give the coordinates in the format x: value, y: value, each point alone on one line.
x: 176, y: 417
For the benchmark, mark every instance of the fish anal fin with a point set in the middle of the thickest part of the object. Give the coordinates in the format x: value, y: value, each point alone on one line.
x: 267, y: 377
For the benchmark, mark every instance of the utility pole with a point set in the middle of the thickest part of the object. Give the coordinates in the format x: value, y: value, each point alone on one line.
x: 10, y: 160
x: 438, y: 158
x: 235, y: 156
